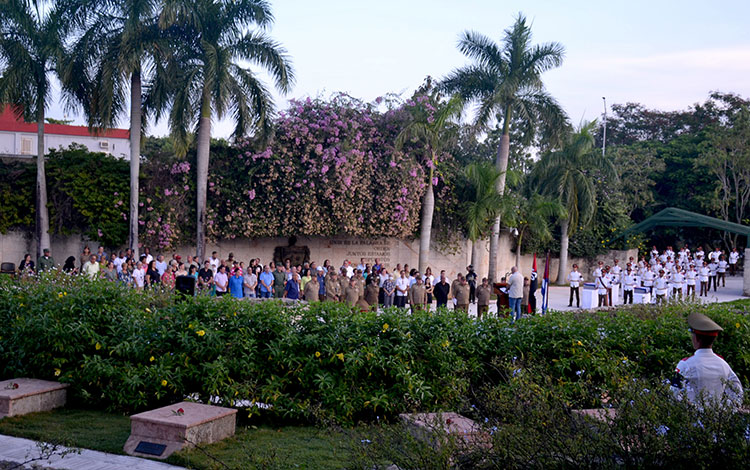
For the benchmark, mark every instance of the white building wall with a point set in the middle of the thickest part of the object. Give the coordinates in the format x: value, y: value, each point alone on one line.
x: 11, y: 143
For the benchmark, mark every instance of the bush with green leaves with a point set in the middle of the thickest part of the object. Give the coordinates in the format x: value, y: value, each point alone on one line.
x: 124, y: 350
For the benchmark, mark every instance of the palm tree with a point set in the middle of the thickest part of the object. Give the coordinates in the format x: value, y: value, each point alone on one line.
x: 570, y: 175
x: 533, y: 215
x: 430, y: 125
x: 208, y: 80
x: 117, y: 44
x: 484, y: 205
x: 30, y: 45
x: 506, y: 82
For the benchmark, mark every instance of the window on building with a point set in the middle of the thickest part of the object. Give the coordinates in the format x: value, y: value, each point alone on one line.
x: 26, y: 144
x: 104, y: 145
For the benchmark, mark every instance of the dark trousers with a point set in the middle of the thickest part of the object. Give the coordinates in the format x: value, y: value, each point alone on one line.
x: 723, y: 278
x: 627, y: 297
x: 712, y: 280
x: 704, y: 289
x: 400, y: 301
x: 690, y: 289
x: 574, y: 290
x: 602, y: 300
x: 441, y: 302
x: 472, y: 292
x: 732, y: 269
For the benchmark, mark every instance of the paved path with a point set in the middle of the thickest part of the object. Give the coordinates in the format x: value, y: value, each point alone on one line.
x: 559, y: 296
x: 19, y: 450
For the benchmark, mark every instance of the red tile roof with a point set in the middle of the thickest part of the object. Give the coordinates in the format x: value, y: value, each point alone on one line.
x: 9, y: 122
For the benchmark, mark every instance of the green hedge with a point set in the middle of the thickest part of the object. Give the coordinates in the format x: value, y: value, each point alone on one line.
x: 127, y: 351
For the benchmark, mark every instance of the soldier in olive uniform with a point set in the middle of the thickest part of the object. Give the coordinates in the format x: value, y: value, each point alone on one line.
x: 312, y: 290
x: 483, y: 298
x: 351, y: 293
x: 417, y: 295
x: 461, y: 295
x: 333, y: 288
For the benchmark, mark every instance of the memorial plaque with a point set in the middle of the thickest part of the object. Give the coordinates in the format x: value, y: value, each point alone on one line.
x: 150, y: 448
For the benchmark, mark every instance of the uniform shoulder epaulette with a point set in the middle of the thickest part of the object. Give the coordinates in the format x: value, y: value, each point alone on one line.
x: 685, y: 358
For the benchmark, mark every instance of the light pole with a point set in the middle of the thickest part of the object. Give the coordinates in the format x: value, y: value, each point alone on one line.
x: 604, y: 137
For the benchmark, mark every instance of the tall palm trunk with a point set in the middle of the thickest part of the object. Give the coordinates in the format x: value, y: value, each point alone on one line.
x: 428, y: 208
x: 202, y: 155
x: 135, y: 157
x: 42, y: 215
x: 518, y: 249
x: 503, y: 151
x: 475, y: 254
x: 561, y: 276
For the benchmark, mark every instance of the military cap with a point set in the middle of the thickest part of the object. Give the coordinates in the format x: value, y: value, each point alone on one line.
x: 702, y: 325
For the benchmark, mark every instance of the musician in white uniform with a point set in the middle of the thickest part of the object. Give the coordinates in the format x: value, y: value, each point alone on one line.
x: 648, y: 280
x: 703, y: 273
x: 677, y: 280
x: 628, y: 284
x: 706, y: 377
x: 661, y: 287
x: 734, y: 257
x: 721, y: 271
x: 691, y: 275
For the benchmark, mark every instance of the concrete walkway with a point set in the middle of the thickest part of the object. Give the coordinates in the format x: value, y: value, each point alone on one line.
x: 15, y: 449
x: 559, y: 296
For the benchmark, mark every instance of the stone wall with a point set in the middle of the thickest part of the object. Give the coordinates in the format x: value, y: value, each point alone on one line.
x: 389, y: 251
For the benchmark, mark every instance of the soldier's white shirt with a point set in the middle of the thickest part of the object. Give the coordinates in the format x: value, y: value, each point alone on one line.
x: 706, y: 372
x: 616, y: 270
x: 628, y: 280
x: 690, y: 276
x: 722, y: 266
x: 575, y: 277
x: 734, y: 257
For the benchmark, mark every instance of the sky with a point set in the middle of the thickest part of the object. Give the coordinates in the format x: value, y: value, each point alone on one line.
x: 664, y: 54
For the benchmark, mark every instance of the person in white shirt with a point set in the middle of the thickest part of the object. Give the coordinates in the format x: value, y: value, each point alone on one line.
x: 362, y: 266
x: 648, y: 280
x: 734, y: 257
x: 118, y: 262
x: 714, y: 256
x: 628, y: 284
x: 161, y: 265
x: 602, y: 286
x: 139, y: 276
x: 721, y: 271
x: 703, y: 273
x: 147, y: 253
x: 690, y: 277
x: 654, y: 253
x: 669, y: 265
x: 221, y: 281
x: 215, y: 262
x: 699, y: 255
x: 705, y: 377
x: 402, y: 290
x: 661, y: 287
x: 712, y: 267
x: 91, y: 267
x: 575, y: 278
x: 677, y: 280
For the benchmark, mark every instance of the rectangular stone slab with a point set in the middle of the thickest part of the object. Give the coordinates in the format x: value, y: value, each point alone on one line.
x: 427, y: 427
x: 200, y: 424
x: 31, y: 396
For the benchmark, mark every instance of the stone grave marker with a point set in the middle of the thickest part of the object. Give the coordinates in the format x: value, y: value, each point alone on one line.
x: 159, y: 433
x: 21, y: 396
x: 431, y: 426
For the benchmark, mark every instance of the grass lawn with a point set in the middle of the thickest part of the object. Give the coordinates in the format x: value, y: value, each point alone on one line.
x: 262, y: 447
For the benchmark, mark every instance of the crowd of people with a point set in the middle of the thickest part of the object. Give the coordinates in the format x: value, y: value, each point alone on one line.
x: 665, y: 274
x: 364, y: 285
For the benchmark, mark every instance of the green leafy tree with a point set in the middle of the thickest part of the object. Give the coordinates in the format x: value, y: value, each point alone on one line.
x: 483, y: 205
x: 431, y: 126
x: 118, y: 46
x: 571, y: 175
x: 30, y: 46
x: 533, y: 216
x: 726, y: 156
x: 506, y: 81
x: 207, y: 79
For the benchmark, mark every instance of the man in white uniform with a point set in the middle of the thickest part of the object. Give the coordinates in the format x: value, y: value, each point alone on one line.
x: 705, y: 376
x: 690, y: 277
x: 575, y: 278
x: 661, y: 287
x: 628, y: 284
x: 734, y: 256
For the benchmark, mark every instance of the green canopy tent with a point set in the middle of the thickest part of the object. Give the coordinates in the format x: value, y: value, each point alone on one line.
x: 673, y: 217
